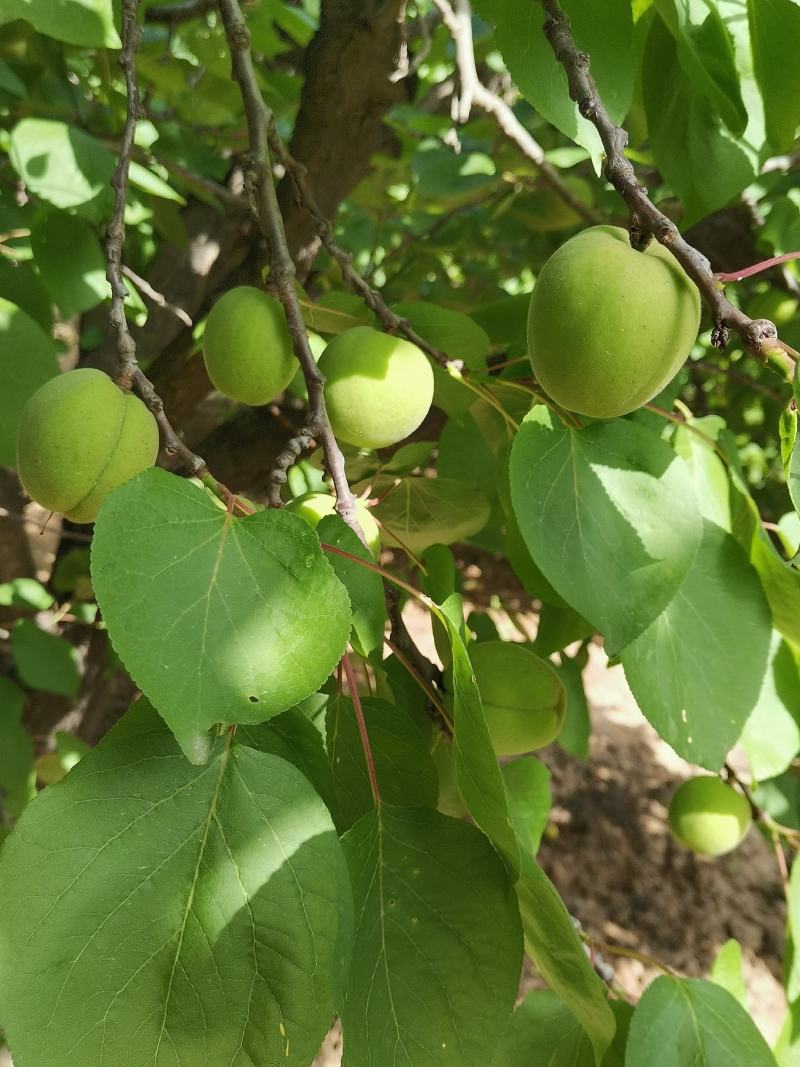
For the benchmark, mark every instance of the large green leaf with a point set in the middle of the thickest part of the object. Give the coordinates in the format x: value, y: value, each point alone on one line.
x: 697, y: 672
x: 156, y: 912
x: 609, y: 516
x: 88, y: 23
x: 477, y: 774
x: 558, y: 953
x: 43, y: 660
x: 419, y: 512
x: 363, y: 586
x: 703, y: 163
x: 771, y: 736
x: 215, y: 617
x: 27, y: 360
x: 544, y: 1033
x: 403, y: 764
x: 681, y: 1021
x: 527, y: 782
x: 60, y: 163
x: 438, y: 947
x: 294, y: 737
x: 604, y: 31
x: 775, y: 37
x: 16, y: 749
x: 706, y: 56
x: 69, y: 257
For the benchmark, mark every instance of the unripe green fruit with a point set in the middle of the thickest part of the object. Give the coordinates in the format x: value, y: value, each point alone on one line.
x: 379, y: 388
x: 247, y: 347
x: 709, y: 817
x: 523, y: 697
x: 315, y: 506
x: 79, y: 437
x: 608, y: 326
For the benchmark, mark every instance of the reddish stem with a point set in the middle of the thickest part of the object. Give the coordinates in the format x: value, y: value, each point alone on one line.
x: 362, y: 729
x: 748, y: 272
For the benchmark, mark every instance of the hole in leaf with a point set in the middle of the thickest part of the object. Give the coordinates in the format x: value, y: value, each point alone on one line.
x: 253, y: 700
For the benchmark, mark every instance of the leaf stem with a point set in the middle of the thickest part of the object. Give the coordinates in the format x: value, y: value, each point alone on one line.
x: 362, y: 729
x: 426, y: 687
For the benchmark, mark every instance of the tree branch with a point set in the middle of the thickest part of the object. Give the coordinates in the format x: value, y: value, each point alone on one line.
x: 759, y: 337
x: 458, y: 20
x: 172, y: 14
x: 129, y: 375
x: 258, y: 179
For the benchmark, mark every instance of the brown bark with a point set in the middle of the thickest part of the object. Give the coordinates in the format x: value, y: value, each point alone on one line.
x: 346, y: 94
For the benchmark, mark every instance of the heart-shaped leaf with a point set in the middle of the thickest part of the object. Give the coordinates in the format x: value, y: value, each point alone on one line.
x: 155, y: 912
x: 609, y: 515
x: 218, y: 619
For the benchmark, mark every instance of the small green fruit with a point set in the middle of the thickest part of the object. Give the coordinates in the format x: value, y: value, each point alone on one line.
x: 709, y: 817
x: 609, y: 327
x: 523, y: 698
x: 379, y: 388
x: 79, y: 437
x: 247, y: 347
x: 315, y: 506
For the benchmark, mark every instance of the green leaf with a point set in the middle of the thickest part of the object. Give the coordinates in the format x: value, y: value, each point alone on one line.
x: 775, y: 38
x: 27, y: 360
x: 787, y: 1048
x: 333, y: 320
x: 697, y: 672
x: 363, y: 586
x: 577, y: 728
x: 544, y: 1033
x: 16, y: 750
x: 527, y: 782
x: 71, y: 262
x: 403, y: 764
x: 44, y: 661
x: 9, y: 82
x: 559, y: 956
x: 682, y: 1021
x: 25, y: 593
x: 711, y: 482
x: 477, y: 774
x: 702, y: 162
x: 60, y: 163
x: 159, y: 912
x: 792, y: 963
x: 577, y: 492
x: 771, y: 736
x: 295, y: 738
x: 605, y: 33
x: 143, y: 178
x: 21, y: 285
x: 215, y: 617
x: 726, y: 971
x: 427, y: 985
x: 88, y: 23
x: 452, y: 332
x: 419, y: 512
x: 706, y: 56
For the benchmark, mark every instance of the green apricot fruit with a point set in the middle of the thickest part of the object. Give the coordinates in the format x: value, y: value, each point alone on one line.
x: 609, y: 327
x: 709, y: 817
x: 247, y: 347
x: 523, y: 698
x: 379, y: 388
x: 79, y: 437
x: 315, y: 506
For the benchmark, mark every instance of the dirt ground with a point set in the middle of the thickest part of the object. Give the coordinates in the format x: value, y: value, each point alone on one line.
x: 618, y: 868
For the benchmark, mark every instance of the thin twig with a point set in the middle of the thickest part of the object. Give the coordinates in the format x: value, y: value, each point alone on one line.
x: 759, y: 336
x: 129, y: 375
x: 362, y: 730
x: 157, y: 298
x: 458, y: 20
x: 259, y: 182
